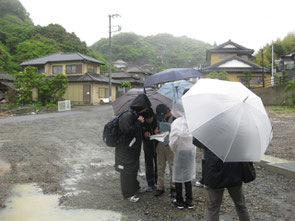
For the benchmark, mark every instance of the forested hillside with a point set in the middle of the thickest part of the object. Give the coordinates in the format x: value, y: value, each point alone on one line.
x: 162, y: 50
x: 280, y: 47
x: 22, y: 40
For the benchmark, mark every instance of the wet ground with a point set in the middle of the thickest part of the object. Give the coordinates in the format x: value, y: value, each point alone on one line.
x: 60, y: 160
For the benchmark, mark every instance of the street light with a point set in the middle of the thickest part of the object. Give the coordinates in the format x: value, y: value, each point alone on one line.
x: 110, y: 51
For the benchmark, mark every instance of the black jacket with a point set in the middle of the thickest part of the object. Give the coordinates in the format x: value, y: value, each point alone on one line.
x: 126, y: 156
x: 218, y: 174
x: 146, y: 127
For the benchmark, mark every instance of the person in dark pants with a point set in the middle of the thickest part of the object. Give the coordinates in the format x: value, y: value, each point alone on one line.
x: 200, y: 183
x: 128, y: 152
x: 180, y: 142
x: 218, y: 176
x: 149, y: 147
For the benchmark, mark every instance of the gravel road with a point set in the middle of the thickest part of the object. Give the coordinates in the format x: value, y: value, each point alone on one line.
x: 64, y: 154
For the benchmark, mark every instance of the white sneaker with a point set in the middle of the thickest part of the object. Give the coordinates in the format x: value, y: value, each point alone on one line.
x: 133, y: 199
x: 198, y: 184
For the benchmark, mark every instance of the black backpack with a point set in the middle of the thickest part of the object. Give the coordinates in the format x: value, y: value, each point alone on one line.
x: 111, y: 132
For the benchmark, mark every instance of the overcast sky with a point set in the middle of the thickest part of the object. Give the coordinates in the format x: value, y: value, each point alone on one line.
x: 251, y: 23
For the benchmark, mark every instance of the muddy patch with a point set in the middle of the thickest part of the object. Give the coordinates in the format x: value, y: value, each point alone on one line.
x: 4, y: 167
x: 28, y: 203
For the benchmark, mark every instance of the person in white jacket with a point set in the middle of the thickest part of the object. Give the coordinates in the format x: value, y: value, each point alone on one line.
x: 181, y: 143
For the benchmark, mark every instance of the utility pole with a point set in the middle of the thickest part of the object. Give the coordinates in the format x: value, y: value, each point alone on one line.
x: 263, y: 83
x: 272, y: 77
x: 110, y: 52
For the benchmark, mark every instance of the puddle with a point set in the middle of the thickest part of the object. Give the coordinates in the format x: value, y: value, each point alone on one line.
x: 28, y: 203
x: 4, y: 167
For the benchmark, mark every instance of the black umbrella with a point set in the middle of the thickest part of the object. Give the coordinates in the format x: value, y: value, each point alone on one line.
x: 172, y: 74
x: 123, y: 102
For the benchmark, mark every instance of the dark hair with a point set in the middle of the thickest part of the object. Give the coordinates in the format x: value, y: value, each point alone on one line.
x: 185, y: 90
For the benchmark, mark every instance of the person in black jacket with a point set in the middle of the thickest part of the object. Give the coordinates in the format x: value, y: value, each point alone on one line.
x: 128, y: 152
x: 149, y: 147
x: 218, y: 176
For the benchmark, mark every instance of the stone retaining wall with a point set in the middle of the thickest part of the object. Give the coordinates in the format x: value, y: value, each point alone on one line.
x: 273, y: 95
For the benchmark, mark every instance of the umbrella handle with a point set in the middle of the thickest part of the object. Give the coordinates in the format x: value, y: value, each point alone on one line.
x: 144, y: 90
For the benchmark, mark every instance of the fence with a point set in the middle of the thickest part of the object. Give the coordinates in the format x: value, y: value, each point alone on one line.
x: 64, y: 105
x: 275, y: 82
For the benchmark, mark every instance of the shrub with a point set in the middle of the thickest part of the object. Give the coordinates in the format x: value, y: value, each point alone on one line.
x: 219, y: 75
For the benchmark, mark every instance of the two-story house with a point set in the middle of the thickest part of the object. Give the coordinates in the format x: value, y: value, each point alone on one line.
x: 286, y: 62
x: 234, y: 59
x: 86, y: 84
x: 120, y: 65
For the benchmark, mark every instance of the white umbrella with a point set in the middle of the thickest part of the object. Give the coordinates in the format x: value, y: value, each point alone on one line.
x: 229, y: 119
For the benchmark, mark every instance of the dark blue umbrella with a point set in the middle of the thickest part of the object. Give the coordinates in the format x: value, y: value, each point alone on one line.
x: 172, y: 74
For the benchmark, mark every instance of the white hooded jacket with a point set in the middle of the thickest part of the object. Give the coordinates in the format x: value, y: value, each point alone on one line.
x: 181, y: 143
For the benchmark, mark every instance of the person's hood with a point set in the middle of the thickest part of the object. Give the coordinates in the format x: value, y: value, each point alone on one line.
x: 140, y: 102
x: 178, y: 110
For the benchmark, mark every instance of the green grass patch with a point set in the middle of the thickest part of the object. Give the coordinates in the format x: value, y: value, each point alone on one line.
x: 283, y: 109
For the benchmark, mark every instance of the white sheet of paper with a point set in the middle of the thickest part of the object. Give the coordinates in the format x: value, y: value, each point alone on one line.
x: 159, y: 137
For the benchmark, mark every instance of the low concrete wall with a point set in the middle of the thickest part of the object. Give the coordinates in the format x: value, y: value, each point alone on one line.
x: 273, y: 95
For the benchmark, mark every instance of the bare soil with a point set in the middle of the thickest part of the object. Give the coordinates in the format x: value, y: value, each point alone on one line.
x: 64, y: 154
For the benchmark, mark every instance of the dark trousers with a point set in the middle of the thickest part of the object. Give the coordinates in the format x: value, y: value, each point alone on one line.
x: 203, y: 166
x: 150, y: 158
x: 129, y: 184
x: 214, y: 200
x: 188, y: 192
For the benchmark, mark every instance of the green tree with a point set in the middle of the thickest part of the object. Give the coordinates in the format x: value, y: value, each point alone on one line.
x: 219, y: 75
x: 162, y: 50
x: 247, y: 78
x: 290, y: 99
x: 32, y: 49
x: 52, y: 90
x: 125, y: 84
x: 284, y: 77
x: 25, y: 83
x: 6, y: 63
x: 281, y: 47
x: 64, y: 41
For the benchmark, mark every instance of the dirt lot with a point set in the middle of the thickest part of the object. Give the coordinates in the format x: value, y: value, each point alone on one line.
x: 64, y: 154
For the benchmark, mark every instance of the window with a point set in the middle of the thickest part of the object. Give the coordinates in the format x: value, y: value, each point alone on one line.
x: 74, y: 69
x: 40, y: 70
x: 103, y: 92
x: 90, y: 68
x: 244, y: 57
x: 57, y: 69
x: 257, y: 81
x: 289, y: 65
x: 222, y: 56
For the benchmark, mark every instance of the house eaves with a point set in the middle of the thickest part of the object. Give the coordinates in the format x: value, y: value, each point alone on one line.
x: 61, y: 57
x: 90, y: 77
x: 121, y: 75
x: 248, y: 66
x: 6, y: 77
x: 8, y: 84
x: 238, y: 49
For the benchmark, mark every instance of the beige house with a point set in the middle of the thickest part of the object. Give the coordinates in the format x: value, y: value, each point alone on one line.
x: 86, y: 84
x: 235, y: 59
